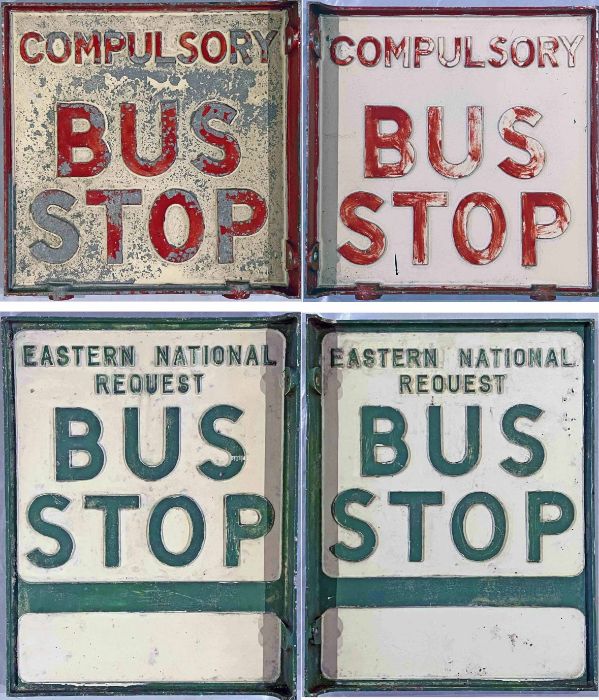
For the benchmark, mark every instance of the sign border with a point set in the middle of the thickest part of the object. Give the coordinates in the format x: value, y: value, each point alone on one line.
x: 321, y: 590
x: 231, y: 290
x: 278, y: 596
x: 367, y: 291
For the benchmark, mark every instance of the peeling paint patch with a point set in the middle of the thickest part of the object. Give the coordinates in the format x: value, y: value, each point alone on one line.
x: 152, y: 103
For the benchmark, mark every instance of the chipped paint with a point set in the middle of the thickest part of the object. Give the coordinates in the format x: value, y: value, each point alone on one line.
x: 216, y: 84
x: 427, y: 175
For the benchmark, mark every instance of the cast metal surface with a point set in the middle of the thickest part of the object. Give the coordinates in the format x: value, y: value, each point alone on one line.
x: 152, y: 148
x: 450, y: 506
x: 452, y: 150
x: 151, y: 500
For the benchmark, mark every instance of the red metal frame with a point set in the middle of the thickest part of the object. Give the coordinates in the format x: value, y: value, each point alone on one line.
x: 374, y: 291
x: 292, y: 147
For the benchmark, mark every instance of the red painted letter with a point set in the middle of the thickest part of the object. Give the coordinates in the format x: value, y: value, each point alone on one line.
x: 23, y: 47
x: 168, y: 128
x: 200, y: 123
x: 164, y: 248
x: 335, y: 56
x: 531, y: 230
x: 420, y: 201
x: 228, y: 227
x: 435, y: 143
x: 486, y: 255
x: 91, y: 139
x: 375, y: 141
x: 535, y: 164
x: 114, y: 200
x: 356, y: 223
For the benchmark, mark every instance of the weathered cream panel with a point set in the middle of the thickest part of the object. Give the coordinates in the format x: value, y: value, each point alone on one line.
x: 254, y: 92
x: 457, y: 643
x: 254, y: 387
x: 414, y: 81
x: 556, y: 388
x: 148, y: 647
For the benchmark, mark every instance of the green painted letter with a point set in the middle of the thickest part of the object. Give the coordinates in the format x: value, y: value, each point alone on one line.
x: 111, y: 505
x: 62, y: 537
x: 499, y: 526
x: 172, y: 422
x: 370, y: 439
x: 237, y: 531
x: 534, y: 446
x: 66, y: 444
x: 435, y: 442
x: 537, y: 527
x: 416, y: 500
x: 213, y: 437
x: 197, y: 525
x: 349, y: 522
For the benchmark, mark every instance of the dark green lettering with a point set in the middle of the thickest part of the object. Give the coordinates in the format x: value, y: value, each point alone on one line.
x: 435, y: 442
x: 349, y: 522
x: 415, y: 501
x: 534, y: 446
x: 370, y: 439
x: 237, y: 531
x: 224, y: 442
x: 67, y: 444
x: 112, y: 505
x: 172, y: 439
x: 55, y: 532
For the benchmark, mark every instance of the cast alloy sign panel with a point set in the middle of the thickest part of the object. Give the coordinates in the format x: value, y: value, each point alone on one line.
x: 452, y: 151
x: 451, y: 507
x: 151, y: 479
x: 152, y: 148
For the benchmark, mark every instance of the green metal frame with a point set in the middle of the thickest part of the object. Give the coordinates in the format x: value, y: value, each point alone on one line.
x: 271, y: 596
x: 324, y: 592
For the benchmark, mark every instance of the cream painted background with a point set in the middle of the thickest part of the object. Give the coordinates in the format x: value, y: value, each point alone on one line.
x: 257, y: 91
x: 258, y: 391
x: 560, y: 94
x: 485, y: 643
x: 559, y: 392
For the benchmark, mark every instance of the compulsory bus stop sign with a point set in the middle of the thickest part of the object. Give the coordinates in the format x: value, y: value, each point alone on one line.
x: 452, y: 151
x: 450, y: 506
x: 152, y: 148
x: 151, y: 480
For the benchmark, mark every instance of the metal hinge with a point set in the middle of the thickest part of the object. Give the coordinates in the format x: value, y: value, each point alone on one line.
x: 292, y: 258
x: 291, y: 38
x: 316, y: 632
x: 314, y: 258
x: 60, y: 292
x: 315, y: 42
x: 237, y: 290
x: 543, y: 292
x: 366, y: 292
x: 290, y: 377
x: 315, y: 379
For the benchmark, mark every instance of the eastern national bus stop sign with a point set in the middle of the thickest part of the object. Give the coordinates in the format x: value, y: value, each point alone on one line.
x: 151, y: 480
x: 450, y: 490
x: 452, y: 151
x: 152, y: 148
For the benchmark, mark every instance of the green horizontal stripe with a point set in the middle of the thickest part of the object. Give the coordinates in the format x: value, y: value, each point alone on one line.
x: 497, y: 591
x: 147, y: 597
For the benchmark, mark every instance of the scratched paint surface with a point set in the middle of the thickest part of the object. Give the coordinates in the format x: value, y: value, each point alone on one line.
x: 450, y: 591
x: 254, y: 389
x: 560, y: 93
x: 254, y: 89
x: 557, y: 391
